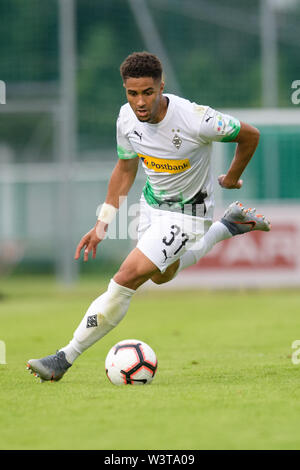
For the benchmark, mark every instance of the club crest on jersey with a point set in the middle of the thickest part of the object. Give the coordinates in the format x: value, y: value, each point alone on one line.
x: 177, y: 141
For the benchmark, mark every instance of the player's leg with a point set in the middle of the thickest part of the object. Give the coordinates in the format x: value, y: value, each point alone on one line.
x: 160, y: 245
x: 216, y: 233
x: 109, y: 309
x: 236, y: 221
x: 102, y: 316
x: 135, y: 270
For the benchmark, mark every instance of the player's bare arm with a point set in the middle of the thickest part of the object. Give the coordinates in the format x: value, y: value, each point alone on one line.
x: 247, y: 140
x: 120, y: 182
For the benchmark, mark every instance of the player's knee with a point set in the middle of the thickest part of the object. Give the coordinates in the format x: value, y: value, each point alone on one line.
x: 132, y: 278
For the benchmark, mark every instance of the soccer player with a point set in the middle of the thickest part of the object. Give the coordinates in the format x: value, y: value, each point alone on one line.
x: 172, y: 137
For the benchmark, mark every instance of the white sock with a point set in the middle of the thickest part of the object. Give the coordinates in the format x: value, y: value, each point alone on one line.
x: 216, y: 233
x: 103, y: 315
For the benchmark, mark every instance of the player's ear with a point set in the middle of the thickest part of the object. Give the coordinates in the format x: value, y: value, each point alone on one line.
x: 162, y: 86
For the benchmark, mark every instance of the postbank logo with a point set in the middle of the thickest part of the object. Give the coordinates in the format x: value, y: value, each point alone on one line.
x: 165, y: 165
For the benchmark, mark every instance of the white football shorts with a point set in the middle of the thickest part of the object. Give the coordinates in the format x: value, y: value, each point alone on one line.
x: 164, y: 236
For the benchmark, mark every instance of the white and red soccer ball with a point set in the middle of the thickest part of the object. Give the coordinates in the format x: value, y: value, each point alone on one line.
x: 131, y: 362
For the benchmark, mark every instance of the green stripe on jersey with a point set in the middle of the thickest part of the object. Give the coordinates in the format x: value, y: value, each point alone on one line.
x: 236, y: 127
x: 150, y: 197
x: 125, y: 154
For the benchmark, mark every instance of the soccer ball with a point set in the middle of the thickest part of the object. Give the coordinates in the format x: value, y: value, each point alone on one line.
x: 131, y: 362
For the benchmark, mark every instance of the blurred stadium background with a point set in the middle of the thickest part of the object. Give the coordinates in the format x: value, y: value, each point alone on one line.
x: 60, y: 64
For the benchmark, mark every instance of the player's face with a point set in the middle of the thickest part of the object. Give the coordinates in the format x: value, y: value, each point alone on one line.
x: 145, y: 98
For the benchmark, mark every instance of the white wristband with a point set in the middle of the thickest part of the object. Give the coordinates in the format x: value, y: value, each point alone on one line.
x: 107, y: 213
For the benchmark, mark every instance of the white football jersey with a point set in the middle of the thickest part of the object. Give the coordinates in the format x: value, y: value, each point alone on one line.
x: 176, y: 152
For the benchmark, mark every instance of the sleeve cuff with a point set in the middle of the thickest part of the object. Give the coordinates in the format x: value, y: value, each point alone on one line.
x: 125, y: 154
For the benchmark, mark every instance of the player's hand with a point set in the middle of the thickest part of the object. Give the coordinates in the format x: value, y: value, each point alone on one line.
x: 90, y: 241
x: 225, y: 182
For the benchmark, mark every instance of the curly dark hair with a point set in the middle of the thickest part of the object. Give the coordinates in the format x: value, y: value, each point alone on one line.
x: 141, y: 64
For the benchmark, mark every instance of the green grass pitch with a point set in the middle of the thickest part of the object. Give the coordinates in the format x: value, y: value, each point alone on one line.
x: 225, y: 377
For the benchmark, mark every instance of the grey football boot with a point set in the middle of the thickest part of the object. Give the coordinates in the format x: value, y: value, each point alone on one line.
x: 50, y: 367
x: 239, y: 220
